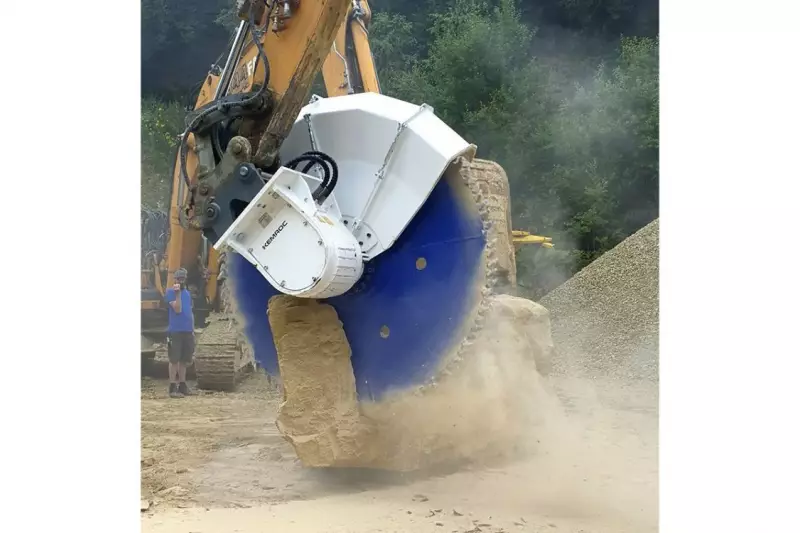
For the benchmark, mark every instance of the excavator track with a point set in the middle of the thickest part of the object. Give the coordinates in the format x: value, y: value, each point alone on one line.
x: 222, y: 355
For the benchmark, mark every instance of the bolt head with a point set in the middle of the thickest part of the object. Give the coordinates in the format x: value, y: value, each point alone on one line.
x: 243, y: 171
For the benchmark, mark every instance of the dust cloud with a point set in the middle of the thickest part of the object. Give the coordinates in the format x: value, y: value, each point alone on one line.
x: 568, y: 446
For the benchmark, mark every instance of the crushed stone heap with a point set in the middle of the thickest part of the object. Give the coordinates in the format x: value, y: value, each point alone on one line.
x: 605, y: 319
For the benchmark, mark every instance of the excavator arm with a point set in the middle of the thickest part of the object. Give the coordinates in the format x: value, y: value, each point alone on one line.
x: 244, y: 111
x: 349, y: 68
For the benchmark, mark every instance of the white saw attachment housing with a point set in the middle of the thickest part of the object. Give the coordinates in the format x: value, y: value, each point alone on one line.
x: 301, y: 248
x: 390, y: 155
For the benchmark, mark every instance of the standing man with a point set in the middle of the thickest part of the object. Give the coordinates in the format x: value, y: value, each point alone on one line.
x: 180, y: 334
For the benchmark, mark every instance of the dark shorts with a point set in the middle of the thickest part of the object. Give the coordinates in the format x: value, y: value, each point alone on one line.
x: 180, y: 347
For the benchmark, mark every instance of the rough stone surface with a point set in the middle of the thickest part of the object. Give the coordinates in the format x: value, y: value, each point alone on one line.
x: 605, y: 319
x: 483, y: 410
x: 319, y: 415
x: 533, y: 321
x: 492, y: 182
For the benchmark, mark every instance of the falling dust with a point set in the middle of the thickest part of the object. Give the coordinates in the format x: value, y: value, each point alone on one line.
x: 552, y: 453
x: 486, y: 406
x: 565, y: 448
x: 487, y: 400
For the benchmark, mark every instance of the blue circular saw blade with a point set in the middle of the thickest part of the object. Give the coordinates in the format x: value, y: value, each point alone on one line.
x: 413, y: 306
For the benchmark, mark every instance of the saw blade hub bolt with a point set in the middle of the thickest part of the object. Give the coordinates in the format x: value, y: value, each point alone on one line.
x: 243, y: 171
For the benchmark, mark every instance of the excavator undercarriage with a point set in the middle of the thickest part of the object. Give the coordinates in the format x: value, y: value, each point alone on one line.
x: 223, y: 356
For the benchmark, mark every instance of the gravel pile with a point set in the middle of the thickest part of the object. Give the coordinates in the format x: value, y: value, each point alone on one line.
x: 605, y: 318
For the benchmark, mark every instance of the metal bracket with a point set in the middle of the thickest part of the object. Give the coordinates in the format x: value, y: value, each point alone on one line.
x: 311, y: 140
x: 212, y: 194
x: 236, y: 191
x: 401, y: 127
x: 230, y: 106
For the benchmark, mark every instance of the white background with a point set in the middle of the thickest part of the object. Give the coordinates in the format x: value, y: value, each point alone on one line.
x: 730, y: 406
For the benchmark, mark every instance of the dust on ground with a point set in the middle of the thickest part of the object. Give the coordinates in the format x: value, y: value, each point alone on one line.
x: 184, y: 441
x: 203, y: 455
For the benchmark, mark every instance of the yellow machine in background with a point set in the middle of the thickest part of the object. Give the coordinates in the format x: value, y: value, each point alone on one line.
x: 520, y: 237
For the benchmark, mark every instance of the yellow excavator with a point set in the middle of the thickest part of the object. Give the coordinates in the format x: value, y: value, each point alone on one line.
x: 360, y: 238
x: 257, y: 93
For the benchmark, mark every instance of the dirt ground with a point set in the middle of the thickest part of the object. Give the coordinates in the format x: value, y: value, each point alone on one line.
x: 215, y: 463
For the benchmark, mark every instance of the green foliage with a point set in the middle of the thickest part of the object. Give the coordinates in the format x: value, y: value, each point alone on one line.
x: 168, y: 22
x: 395, y: 51
x: 606, y: 148
x: 162, y: 123
x: 179, y: 41
x: 472, y: 56
x: 609, y: 16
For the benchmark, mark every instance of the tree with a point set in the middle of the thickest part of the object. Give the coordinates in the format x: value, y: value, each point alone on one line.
x: 606, y: 150
x: 161, y: 125
x: 180, y: 40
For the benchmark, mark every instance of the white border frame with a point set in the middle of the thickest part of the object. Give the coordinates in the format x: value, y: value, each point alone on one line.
x: 730, y: 411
